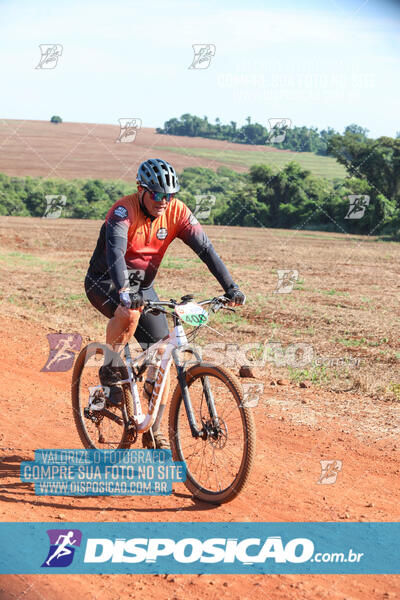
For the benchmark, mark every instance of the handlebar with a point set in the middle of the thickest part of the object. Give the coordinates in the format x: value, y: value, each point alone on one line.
x: 216, y: 304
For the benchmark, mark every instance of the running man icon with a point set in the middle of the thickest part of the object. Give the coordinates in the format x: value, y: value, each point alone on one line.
x: 62, y: 351
x: 61, y: 551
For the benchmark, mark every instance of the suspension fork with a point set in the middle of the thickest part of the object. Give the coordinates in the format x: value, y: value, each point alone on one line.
x: 206, y: 388
x: 186, y: 396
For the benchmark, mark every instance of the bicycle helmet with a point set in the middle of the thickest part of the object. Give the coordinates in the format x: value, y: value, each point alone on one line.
x: 157, y: 175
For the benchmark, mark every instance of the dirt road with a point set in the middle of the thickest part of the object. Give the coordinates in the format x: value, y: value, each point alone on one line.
x: 294, y: 433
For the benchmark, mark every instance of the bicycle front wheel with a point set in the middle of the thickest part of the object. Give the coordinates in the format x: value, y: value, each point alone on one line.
x: 218, y: 463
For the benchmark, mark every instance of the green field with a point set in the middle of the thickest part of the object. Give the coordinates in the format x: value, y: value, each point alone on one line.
x: 322, y: 166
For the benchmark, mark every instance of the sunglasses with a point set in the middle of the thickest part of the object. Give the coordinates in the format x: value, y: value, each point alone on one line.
x: 158, y: 196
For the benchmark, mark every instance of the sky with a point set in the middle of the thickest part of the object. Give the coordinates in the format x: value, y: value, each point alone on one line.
x: 318, y: 63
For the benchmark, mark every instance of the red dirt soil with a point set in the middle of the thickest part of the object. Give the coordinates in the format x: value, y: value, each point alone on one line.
x: 36, y: 413
x: 88, y: 150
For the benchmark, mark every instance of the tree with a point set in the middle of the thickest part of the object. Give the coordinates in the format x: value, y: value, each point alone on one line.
x: 357, y: 130
x: 56, y: 119
x: 377, y: 161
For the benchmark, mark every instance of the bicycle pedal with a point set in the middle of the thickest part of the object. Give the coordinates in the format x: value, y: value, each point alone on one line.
x: 97, y: 398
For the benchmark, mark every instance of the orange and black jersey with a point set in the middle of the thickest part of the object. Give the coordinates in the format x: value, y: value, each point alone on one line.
x: 131, y: 243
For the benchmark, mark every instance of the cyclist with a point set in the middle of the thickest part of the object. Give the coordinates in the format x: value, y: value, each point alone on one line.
x: 132, y: 242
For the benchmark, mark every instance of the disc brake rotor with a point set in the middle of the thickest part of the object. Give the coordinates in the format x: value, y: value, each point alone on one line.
x: 217, y: 436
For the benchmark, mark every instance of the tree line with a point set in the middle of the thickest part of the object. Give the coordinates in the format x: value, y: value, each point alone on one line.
x: 297, y: 139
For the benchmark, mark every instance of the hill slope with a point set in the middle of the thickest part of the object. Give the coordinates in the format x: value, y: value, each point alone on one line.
x: 87, y: 150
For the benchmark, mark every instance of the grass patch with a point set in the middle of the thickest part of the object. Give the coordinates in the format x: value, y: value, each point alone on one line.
x: 75, y: 297
x: 22, y: 258
x: 322, y: 166
x: 316, y: 374
x: 172, y: 262
x: 352, y: 343
x: 229, y: 318
x: 394, y: 388
x: 15, y: 259
x: 335, y: 293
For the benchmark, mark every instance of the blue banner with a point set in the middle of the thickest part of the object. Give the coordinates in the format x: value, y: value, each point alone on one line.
x: 240, y: 548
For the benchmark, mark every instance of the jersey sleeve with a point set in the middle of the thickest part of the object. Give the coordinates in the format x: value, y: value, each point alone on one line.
x: 191, y: 232
x: 118, y: 222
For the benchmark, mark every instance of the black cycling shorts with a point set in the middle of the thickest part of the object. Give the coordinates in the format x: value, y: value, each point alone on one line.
x: 103, y: 295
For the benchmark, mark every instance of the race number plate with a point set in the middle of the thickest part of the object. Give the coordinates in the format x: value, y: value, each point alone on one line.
x: 192, y: 313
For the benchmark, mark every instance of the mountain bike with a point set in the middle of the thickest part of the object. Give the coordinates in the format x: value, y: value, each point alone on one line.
x: 210, y: 427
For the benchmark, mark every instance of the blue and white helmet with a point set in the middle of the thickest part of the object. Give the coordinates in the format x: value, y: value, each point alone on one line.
x: 158, y: 175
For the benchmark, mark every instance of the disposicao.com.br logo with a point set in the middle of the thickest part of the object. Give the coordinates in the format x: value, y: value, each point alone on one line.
x: 204, y: 548
x: 248, y: 551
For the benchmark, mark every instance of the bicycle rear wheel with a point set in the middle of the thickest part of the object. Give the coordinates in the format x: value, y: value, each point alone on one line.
x: 218, y: 463
x: 103, y: 429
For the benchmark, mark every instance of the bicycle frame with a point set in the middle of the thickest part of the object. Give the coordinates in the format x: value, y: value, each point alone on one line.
x: 171, y: 344
x: 169, y: 347
x: 199, y: 384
